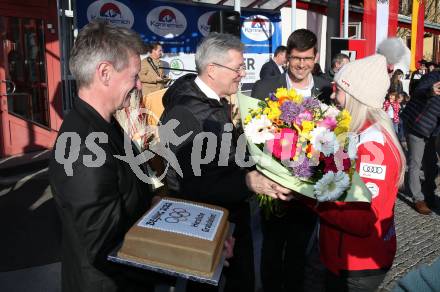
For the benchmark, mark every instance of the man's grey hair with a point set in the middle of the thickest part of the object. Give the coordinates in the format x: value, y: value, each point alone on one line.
x: 97, y: 42
x: 214, y: 49
x: 393, y: 49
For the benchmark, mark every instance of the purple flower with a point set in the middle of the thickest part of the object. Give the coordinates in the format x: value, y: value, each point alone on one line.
x: 272, y: 96
x: 301, y: 168
x: 289, y: 111
x: 311, y: 103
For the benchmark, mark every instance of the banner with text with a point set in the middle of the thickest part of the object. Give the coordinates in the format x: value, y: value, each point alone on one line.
x: 180, y: 27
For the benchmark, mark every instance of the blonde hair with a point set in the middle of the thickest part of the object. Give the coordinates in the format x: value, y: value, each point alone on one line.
x: 361, y: 113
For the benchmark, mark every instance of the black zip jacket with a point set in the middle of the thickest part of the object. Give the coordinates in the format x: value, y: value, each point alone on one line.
x: 220, y: 181
x: 421, y: 114
x: 97, y: 206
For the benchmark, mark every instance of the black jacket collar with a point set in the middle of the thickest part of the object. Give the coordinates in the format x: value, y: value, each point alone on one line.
x: 99, y: 124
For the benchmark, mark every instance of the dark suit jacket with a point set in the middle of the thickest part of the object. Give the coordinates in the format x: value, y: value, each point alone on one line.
x: 97, y: 206
x: 322, y: 87
x: 269, y: 69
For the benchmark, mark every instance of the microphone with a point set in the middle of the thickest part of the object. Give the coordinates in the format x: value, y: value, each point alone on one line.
x: 150, y: 61
x: 155, y: 68
x: 177, y: 69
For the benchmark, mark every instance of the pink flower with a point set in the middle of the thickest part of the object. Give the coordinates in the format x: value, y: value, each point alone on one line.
x: 284, y: 145
x: 304, y: 116
x: 329, y: 123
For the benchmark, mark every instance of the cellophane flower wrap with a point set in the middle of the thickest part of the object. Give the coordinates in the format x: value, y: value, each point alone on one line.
x: 304, y: 145
x: 133, y: 120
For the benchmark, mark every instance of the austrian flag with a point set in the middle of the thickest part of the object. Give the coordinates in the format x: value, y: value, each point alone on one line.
x: 380, y: 22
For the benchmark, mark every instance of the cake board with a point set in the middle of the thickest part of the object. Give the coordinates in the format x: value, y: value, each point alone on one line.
x: 182, y: 278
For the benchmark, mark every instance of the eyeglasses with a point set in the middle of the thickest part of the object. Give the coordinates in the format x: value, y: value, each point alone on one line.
x: 296, y: 59
x: 238, y: 71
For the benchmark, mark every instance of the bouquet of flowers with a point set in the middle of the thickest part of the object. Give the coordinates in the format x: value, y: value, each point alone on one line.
x: 133, y: 120
x: 304, y: 145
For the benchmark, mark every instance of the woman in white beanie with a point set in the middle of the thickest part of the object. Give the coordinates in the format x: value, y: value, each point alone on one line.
x: 358, y: 240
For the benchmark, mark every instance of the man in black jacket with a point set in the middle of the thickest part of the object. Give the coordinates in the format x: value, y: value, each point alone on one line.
x: 274, y: 66
x: 211, y: 162
x: 98, y: 196
x: 421, y: 123
x: 338, y: 61
x: 285, y: 238
x: 302, y: 54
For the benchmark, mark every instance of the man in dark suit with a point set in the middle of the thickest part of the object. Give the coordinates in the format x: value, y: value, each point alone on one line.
x: 285, y: 239
x: 275, y: 66
x: 301, y: 60
x: 98, y: 196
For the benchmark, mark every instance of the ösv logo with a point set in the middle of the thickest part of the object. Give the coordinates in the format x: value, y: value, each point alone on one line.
x: 111, y: 11
x: 166, y: 21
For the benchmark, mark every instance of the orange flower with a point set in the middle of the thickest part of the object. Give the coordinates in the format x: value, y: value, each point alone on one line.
x: 282, y: 99
x: 310, y: 149
x: 278, y: 122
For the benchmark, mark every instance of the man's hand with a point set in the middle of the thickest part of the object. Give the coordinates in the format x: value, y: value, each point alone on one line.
x: 260, y: 184
x: 436, y: 88
x: 228, y: 249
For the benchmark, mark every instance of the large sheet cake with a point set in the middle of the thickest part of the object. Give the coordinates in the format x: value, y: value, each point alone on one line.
x: 179, y: 235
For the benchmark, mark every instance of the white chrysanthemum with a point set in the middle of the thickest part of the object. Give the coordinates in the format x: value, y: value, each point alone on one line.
x: 329, y: 111
x: 258, y: 131
x: 323, y: 107
x: 324, y: 141
x: 352, y: 146
x: 331, y: 186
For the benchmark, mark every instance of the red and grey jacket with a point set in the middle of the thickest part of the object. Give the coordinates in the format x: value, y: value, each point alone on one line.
x: 359, y: 238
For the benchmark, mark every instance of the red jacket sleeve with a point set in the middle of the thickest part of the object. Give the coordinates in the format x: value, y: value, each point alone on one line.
x: 354, y: 218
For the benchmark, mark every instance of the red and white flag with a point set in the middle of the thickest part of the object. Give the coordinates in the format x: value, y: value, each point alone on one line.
x: 379, y: 22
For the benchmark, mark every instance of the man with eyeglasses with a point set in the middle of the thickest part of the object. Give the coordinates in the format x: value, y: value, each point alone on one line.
x: 199, y: 104
x: 302, y: 54
x: 286, y: 236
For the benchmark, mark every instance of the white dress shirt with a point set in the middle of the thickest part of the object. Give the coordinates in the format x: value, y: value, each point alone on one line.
x: 206, y: 89
x: 306, y: 92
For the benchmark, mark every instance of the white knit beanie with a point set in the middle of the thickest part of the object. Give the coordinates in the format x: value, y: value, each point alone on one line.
x: 366, y: 80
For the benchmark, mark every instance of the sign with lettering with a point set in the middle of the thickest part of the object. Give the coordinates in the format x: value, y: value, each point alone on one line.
x: 184, y: 218
x: 180, y: 26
